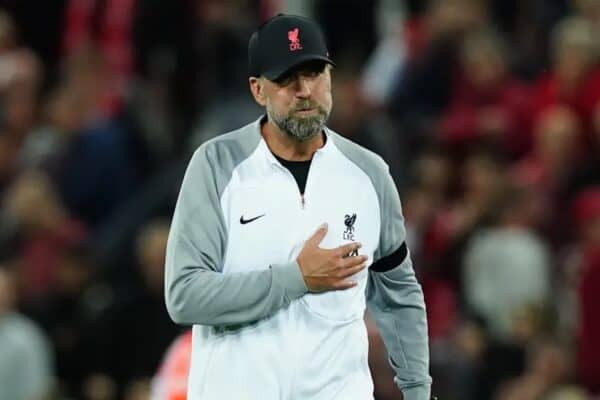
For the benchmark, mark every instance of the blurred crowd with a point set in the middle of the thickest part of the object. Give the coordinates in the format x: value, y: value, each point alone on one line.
x: 487, y: 111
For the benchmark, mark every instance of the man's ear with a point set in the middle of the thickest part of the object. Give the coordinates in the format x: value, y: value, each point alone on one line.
x: 257, y: 89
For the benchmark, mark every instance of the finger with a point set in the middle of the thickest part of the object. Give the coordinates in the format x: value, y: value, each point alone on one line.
x: 352, y: 261
x: 346, y: 249
x: 318, y: 236
x: 351, y: 270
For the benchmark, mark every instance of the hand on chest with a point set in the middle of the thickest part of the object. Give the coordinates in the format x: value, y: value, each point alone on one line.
x: 270, y: 219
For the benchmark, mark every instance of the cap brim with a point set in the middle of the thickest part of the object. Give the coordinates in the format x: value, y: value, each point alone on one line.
x: 279, y: 71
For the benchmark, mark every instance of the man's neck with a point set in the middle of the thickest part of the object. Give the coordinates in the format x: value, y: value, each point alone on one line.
x: 288, y: 148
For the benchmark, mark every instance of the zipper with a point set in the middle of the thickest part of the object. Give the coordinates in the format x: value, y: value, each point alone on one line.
x: 308, y: 180
x: 302, y: 195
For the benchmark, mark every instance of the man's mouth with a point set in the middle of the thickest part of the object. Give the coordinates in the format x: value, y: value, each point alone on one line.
x: 308, y: 110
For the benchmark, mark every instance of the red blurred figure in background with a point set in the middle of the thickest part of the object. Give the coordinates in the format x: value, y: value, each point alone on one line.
x: 487, y: 102
x: 171, y: 381
x: 587, y: 216
x: 575, y: 78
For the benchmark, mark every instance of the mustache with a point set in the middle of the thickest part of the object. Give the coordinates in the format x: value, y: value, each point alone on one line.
x: 303, y: 105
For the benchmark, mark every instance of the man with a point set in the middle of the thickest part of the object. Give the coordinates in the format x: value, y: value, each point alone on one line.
x: 263, y: 254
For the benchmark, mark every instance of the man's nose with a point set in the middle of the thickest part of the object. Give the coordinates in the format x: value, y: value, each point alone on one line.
x: 303, y: 88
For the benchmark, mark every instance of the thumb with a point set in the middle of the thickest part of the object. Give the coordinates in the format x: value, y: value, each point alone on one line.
x: 318, y: 236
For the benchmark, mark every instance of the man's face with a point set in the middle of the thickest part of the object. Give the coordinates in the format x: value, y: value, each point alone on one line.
x: 299, y: 102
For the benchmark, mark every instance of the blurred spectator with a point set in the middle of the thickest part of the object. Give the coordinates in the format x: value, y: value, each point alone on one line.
x: 106, y: 25
x: 26, y: 364
x: 548, y: 167
x: 586, y: 173
x: 352, y: 118
x: 526, y: 26
x: 449, y: 232
x: 44, y: 146
x: 19, y: 108
x: 574, y: 80
x: 39, y: 26
x: 68, y: 313
x: 589, y: 351
x: 548, y: 367
x: 135, y: 329
x: 384, y: 65
x: 459, y: 362
x: 480, y: 180
x: 486, y: 104
x: 96, y: 171
x: 20, y: 80
x: 43, y: 231
x: 424, y: 88
x: 432, y: 175
x: 220, y: 33
x: 222, y: 28
x: 507, y: 269
x: 18, y: 65
x: 587, y: 217
x: 431, y: 178
x: 20, y: 97
x: 164, y: 95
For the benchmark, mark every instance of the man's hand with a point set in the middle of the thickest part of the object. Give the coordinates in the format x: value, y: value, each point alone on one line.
x: 329, y: 269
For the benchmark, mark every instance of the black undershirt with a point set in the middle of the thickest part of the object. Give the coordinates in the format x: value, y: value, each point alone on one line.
x: 299, y: 169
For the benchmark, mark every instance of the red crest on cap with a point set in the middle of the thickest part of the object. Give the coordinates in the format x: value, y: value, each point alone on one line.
x: 294, y: 39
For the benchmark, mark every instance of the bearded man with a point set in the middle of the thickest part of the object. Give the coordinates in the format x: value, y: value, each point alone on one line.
x: 283, y: 233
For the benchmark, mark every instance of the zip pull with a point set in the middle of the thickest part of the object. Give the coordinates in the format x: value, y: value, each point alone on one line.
x: 302, y: 201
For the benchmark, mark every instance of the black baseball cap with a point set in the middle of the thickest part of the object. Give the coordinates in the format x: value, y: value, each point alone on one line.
x: 284, y: 42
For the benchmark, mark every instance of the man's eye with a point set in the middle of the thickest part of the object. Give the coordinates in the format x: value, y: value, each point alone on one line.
x: 284, y: 81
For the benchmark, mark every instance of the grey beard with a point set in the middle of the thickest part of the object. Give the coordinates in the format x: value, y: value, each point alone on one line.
x: 300, y: 128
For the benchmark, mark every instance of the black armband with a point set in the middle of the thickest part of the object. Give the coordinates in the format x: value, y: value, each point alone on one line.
x: 391, y: 261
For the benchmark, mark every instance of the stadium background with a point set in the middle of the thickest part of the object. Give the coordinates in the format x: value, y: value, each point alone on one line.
x: 488, y: 113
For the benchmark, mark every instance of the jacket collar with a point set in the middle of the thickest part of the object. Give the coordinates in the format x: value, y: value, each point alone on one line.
x: 269, y: 155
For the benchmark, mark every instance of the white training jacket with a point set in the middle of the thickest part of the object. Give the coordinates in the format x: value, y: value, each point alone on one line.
x: 231, y: 272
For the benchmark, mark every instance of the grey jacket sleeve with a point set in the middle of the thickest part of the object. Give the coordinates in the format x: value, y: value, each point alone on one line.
x: 395, y: 300
x: 196, y: 292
